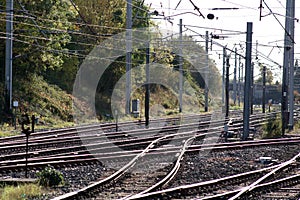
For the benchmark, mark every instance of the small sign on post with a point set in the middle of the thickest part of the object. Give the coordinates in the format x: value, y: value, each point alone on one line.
x: 15, y: 105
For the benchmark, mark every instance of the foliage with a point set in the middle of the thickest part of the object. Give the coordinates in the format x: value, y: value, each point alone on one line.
x: 53, y: 38
x: 272, y: 129
x: 296, y: 96
x: 297, y: 126
x: 269, y: 75
x: 2, y: 100
x: 194, y: 57
x: 40, y: 32
x: 50, y: 177
x: 165, y: 53
x: 65, y: 76
x: 48, y: 102
x: 21, y: 192
x: 98, y: 20
x: 6, y: 130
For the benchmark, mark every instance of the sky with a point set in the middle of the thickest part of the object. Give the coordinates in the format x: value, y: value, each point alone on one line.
x: 268, y: 33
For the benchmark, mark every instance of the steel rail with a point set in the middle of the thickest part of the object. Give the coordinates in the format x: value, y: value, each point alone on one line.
x: 123, y: 154
x: 114, y: 176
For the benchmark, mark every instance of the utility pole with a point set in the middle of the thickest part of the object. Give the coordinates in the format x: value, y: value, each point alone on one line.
x: 264, y: 89
x: 180, y: 66
x: 247, y: 85
x: 291, y: 66
x: 223, y: 75
x: 206, y: 72
x: 234, y: 77
x: 227, y: 88
x: 8, y: 54
x: 147, y: 86
x: 128, y: 54
x: 286, y: 63
x: 239, y: 83
x: 252, y: 89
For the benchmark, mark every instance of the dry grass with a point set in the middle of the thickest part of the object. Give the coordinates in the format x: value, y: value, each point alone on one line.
x: 21, y: 192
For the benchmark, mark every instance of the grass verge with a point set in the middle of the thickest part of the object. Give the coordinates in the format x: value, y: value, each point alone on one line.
x: 21, y: 192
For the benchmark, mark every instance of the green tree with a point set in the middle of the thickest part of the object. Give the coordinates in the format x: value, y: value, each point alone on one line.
x: 195, y: 65
x: 97, y: 20
x: 41, y: 35
x: 269, y: 75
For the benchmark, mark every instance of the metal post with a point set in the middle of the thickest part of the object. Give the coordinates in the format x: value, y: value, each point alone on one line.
x: 32, y: 123
x: 227, y: 88
x: 147, y: 86
x: 180, y: 66
x: 128, y: 54
x: 27, y: 132
x: 206, y: 72
x: 291, y: 67
x: 8, y: 53
x: 243, y: 81
x: 117, y: 120
x: 285, y: 73
x: 264, y: 90
x: 15, y: 118
x: 223, y: 75
x: 239, y: 83
x: 246, y: 114
x: 234, y: 77
x: 252, y: 89
x: 26, y: 157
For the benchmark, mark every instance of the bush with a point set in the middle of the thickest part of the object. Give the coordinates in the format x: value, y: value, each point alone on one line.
x: 272, y: 129
x: 50, y: 177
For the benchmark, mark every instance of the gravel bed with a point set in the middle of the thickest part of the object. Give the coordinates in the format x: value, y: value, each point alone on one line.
x: 196, y: 167
x: 216, y: 164
x: 75, y: 177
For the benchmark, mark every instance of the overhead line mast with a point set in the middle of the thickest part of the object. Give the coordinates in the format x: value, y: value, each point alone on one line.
x: 9, y: 54
x: 288, y: 68
x: 128, y: 54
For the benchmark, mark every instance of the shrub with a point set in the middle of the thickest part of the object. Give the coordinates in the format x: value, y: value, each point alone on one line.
x: 272, y: 129
x: 50, y: 177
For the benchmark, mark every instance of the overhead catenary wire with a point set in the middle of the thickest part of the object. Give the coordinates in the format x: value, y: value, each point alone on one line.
x: 39, y: 18
x: 71, y: 52
x: 212, y: 28
x: 90, y: 35
x: 289, y: 35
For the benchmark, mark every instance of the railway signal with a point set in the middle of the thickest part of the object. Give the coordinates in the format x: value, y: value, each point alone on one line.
x: 27, y: 130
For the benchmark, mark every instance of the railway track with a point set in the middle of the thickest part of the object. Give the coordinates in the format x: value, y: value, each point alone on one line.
x: 259, y: 181
x: 87, y: 135
x: 140, y: 179
x: 71, y: 137
x: 137, y: 150
x: 106, y: 127
x: 79, y: 154
x: 105, y: 193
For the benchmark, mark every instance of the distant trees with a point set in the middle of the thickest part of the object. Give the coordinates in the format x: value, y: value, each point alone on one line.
x: 269, y: 75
